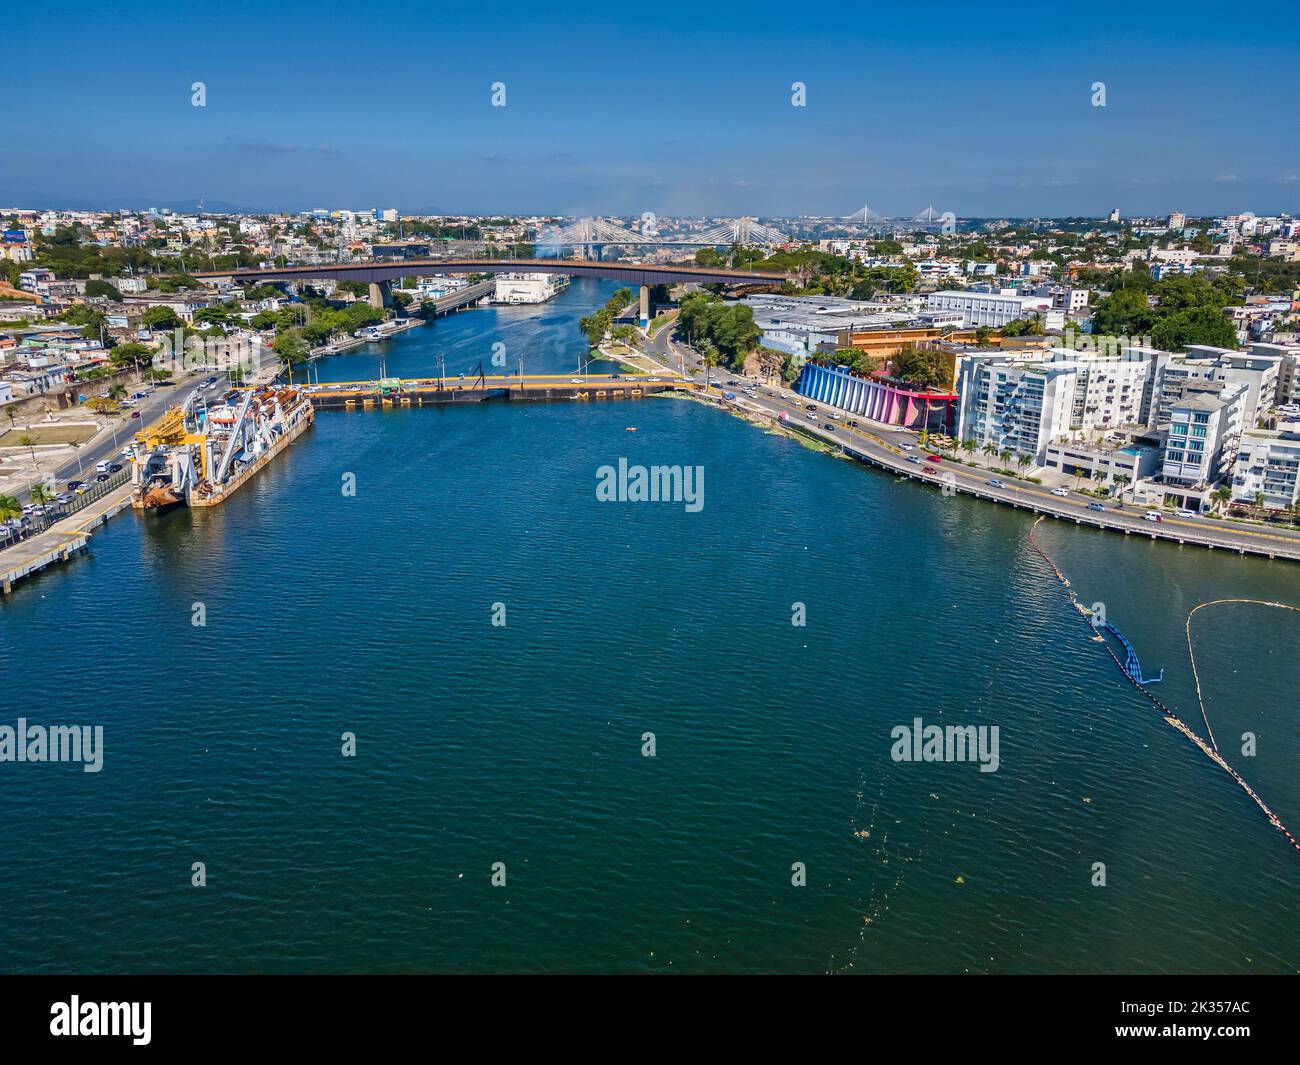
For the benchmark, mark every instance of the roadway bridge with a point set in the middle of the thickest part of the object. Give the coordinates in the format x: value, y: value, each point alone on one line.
x: 429, y: 391
x: 379, y: 274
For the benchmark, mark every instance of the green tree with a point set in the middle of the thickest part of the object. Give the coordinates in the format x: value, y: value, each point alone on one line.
x: 161, y: 319
x: 1195, y: 325
x: 96, y: 288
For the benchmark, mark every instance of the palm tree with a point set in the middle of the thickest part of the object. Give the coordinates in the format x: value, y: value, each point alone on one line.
x: 9, y: 508
x: 969, y: 447
x: 38, y: 493
x: 30, y: 444
x: 117, y: 391
x: 1221, y: 496
x: 709, y: 357
x: 1261, y: 501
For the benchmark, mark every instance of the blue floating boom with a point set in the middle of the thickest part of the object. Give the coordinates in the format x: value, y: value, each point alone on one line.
x: 1131, y: 664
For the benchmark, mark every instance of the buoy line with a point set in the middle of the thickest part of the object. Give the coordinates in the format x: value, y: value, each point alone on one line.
x: 1171, y: 718
x: 1192, y: 655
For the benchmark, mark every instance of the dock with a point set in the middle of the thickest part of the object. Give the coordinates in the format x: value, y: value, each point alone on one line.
x: 60, y: 541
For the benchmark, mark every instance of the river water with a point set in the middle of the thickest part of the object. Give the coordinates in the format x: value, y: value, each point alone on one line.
x: 522, y: 744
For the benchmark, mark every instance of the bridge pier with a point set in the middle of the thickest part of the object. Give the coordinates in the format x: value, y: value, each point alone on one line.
x: 381, y: 294
x: 645, y: 306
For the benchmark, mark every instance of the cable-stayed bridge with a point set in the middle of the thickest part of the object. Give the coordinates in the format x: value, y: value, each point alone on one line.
x: 587, y: 233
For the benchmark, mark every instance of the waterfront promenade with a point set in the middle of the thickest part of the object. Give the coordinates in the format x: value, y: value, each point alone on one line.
x: 881, y: 445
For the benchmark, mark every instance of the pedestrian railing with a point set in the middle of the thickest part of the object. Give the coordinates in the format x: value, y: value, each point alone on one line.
x: 35, y: 524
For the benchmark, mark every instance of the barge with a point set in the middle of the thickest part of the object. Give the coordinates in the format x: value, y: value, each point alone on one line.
x: 198, y: 454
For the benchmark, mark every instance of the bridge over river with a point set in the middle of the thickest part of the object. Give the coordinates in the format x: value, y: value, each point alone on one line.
x: 379, y: 274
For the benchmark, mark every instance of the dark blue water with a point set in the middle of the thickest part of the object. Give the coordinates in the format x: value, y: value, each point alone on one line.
x: 522, y: 744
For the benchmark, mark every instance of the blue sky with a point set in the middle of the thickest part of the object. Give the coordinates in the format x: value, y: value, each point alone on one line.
x: 975, y: 108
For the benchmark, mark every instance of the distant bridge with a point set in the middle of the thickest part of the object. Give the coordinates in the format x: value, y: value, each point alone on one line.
x: 597, y: 232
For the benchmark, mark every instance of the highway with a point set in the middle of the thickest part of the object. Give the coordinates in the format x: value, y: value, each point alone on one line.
x: 881, y: 445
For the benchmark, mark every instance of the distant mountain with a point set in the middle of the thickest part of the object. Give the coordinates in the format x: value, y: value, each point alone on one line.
x: 42, y: 201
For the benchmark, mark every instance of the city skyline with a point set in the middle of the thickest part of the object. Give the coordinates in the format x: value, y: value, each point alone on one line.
x: 690, y: 115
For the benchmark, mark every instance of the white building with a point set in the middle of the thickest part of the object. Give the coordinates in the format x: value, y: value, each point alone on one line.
x: 1259, y: 371
x: 528, y: 288
x: 1204, y: 430
x: 1023, y: 403
x: 990, y: 309
x: 1016, y: 406
x: 1268, y: 462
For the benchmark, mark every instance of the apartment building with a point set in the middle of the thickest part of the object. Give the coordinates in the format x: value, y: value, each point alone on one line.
x: 1268, y: 462
x: 1257, y: 370
x: 1204, y: 433
x: 1013, y: 405
x: 1025, y: 402
x: 1288, y: 377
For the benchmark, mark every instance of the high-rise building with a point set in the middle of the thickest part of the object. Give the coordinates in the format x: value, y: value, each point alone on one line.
x: 1204, y: 434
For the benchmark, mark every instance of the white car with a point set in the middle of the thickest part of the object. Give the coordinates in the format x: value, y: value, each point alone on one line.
x: 833, y: 416
x: 906, y: 447
x: 1060, y: 491
x: 1185, y: 513
x: 578, y: 381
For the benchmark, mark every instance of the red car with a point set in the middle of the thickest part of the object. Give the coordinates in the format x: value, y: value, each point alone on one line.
x: 933, y: 458
x: 928, y: 469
